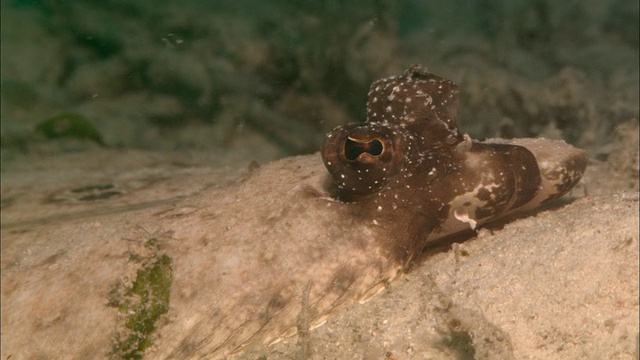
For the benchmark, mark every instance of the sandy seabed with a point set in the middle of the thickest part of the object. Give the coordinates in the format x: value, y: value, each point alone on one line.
x: 561, y: 283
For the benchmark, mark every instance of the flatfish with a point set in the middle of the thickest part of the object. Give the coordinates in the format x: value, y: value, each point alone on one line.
x: 401, y: 179
x: 207, y: 272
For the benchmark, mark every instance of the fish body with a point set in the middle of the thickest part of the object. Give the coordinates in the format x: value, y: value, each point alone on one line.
x: 264, y: 256
x: 402, y: 179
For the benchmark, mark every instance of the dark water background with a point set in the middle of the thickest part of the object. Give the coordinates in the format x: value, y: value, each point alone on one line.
x: 269, y: 78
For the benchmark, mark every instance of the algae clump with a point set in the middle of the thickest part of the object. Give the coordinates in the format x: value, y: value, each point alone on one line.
x: 141, y: 306
x: 69, y: 126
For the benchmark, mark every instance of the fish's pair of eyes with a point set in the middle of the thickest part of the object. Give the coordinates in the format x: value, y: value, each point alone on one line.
x: 354, y: 147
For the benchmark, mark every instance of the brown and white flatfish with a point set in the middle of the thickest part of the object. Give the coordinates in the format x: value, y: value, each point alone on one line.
x: 405, y: 177
x: 244, y: 256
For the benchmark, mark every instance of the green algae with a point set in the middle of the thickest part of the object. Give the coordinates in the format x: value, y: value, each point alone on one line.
x: 141, y: 305
x: 69, y: 126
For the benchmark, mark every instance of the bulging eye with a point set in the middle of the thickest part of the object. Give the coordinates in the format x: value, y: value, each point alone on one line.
x: 362, y: 158
x: 354, y: 147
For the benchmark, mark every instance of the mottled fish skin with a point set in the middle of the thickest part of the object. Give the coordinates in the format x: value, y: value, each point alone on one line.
x: 404, y: 178
x: 408, y: 166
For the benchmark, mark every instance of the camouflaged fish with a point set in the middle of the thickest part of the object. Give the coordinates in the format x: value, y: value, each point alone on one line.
x: 401, y: 179
x: 279, y: 250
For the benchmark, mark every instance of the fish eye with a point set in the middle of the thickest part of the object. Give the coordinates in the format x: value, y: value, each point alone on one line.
x: 353, y: 148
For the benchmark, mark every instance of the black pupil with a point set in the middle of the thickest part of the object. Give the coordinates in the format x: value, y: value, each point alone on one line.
x: 353, y: 149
